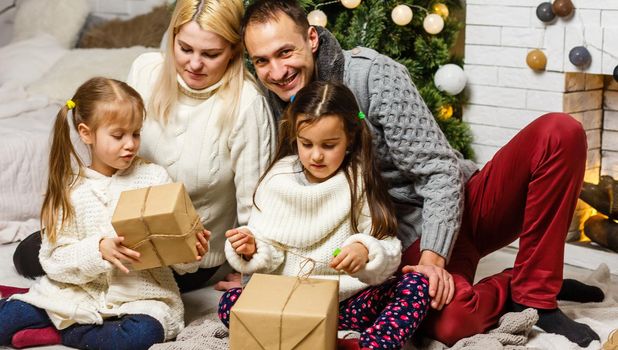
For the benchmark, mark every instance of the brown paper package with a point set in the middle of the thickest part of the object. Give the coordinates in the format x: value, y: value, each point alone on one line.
x: 280, y: 312
x: 160, y: 223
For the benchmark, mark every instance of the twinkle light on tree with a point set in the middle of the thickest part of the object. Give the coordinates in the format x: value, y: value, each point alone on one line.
x: 370, y: 25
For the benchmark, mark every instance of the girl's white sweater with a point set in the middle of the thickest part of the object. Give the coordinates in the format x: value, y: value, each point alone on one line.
x: 312, y: 220
x: 79, y: 286
x: 220, y: 168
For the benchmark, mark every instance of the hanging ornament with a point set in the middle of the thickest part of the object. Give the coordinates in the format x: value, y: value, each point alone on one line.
x: 433, y: 23
x: 450, y: 78
x: 616, y: 74
x: 402, y: 15
x: 580, y: 56
x: 545, y: 13
x: 536, y: 60
x: 445, y: 112
x: 563, y: 8
x: 317, y: 18
x: 440, y: 9
x: 351, y: 4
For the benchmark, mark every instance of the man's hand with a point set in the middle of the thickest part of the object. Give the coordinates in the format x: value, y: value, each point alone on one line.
x: 441, y: 285
x: 113, y: 251
x: 242, y: 241
x: 351, y: 259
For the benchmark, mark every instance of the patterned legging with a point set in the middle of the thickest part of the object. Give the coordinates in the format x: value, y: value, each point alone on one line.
x: 386, y: 315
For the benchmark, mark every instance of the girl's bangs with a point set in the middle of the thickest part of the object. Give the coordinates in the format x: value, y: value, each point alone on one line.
x: 123, y: 112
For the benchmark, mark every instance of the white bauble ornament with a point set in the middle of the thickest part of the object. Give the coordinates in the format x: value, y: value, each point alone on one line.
x: 351, y: 4
x: 317, y: 18
x: 402, y: 15
x: 433, y: 23
x: 450, y: 78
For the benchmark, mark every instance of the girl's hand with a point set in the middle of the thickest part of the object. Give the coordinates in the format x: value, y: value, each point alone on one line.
x: 351, y: 259
x: 242, y: 241
x: 113, y: 251
x: 202, y: 243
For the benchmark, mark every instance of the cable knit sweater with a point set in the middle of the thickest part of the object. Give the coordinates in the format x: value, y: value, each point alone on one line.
x: 79, y: 285
x: 312, y: 220
x: 424, y: 175
x: 220, y: 168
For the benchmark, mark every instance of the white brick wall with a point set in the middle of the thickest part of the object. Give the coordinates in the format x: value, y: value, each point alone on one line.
x: 505, y: 94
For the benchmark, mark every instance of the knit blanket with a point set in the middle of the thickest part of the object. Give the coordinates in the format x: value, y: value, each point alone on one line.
x: 512, y: 332
x: 205, y: 333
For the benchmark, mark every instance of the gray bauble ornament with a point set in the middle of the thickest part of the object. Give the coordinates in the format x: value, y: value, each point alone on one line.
x: 544, y: 12
x: 580, y: 56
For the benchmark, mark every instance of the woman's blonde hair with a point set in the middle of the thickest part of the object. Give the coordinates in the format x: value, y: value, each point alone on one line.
x: 218, y: 16
x: 96, y: 102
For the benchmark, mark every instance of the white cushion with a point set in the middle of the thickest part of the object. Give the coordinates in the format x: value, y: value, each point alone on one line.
x: 79, y: 65
x: 61, y: 18
x: 26, y: 61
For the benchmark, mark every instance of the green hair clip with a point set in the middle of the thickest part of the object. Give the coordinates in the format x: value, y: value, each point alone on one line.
x: 361, y: 115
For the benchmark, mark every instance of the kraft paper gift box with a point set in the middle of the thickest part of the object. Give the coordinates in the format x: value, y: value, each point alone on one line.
x: 280, y: 312
x: 160, y: 223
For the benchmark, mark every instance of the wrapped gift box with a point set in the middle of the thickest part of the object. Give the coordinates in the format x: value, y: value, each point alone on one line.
x: 160, y: 223
x: 280, y: 312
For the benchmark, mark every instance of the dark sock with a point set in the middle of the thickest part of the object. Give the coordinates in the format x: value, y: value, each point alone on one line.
x: 574, y: 290
x: 555, y: 321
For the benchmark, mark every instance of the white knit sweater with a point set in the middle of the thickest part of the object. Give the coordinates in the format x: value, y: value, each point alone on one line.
x: 81, y: 287
x: 312, y: 221
x: 220, y: 168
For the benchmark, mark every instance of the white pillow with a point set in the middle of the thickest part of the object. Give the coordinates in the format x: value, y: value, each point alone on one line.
x: 60, y: 18
x: 79, y: 65
x: 26, y: 61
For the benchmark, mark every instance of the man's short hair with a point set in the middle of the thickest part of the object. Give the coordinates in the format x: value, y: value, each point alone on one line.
x: 263, y: 11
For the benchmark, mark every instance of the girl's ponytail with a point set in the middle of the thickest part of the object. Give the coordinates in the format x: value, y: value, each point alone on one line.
x: 61, y: 176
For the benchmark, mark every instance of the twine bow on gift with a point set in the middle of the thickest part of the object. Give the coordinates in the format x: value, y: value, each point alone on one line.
x: 303, y: 274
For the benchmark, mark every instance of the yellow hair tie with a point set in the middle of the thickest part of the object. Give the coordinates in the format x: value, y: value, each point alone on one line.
x: 70, y: 104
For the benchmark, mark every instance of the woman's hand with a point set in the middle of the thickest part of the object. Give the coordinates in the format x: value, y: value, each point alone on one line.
x: 351, y: 259
x: 441, y: 284
x: 202, y: 243
x: 113, y: 251
x: 242, y: 241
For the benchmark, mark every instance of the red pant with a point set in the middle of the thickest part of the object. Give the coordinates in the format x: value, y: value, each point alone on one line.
x: 527, y: 191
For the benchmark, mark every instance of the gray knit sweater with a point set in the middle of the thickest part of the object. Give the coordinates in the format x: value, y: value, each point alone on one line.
x: 424, y: 175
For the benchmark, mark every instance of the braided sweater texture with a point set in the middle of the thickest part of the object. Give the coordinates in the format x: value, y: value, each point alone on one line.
x: 219, y: 166
x: 424, y: 175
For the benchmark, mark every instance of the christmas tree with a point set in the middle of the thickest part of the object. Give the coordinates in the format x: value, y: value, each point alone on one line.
x: 370, y: 24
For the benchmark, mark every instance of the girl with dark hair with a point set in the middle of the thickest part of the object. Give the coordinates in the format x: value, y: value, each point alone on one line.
x: 323, y: 194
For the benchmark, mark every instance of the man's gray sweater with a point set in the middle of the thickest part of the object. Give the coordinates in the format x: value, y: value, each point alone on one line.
x: 424, y: 175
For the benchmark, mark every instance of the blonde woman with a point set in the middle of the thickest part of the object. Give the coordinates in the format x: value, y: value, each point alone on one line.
x: 206, y: 123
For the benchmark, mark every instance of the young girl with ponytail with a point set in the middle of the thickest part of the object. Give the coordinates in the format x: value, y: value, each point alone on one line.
x: 88, y: 299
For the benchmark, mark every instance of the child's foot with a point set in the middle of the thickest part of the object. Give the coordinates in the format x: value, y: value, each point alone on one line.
x: 36, y: 337
x: 555, y: 321
x: 231, y: 280
x: 7, y: 291
x: 574, y: 290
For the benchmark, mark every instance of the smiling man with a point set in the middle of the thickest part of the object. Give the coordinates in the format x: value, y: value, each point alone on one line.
x: 527, y: 191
